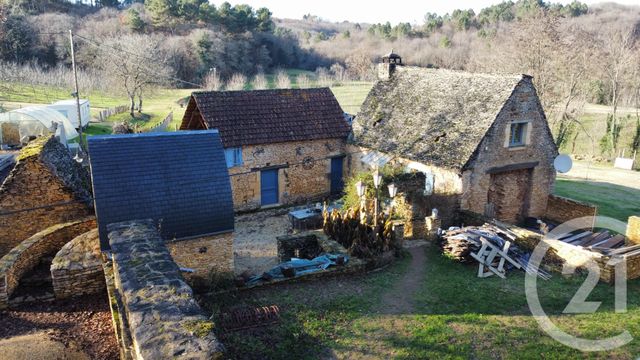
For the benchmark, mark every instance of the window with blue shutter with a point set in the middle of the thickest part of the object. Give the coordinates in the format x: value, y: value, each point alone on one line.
x: 233, y: 156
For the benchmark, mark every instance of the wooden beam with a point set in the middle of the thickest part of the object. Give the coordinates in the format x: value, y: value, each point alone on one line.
x: 512, y: 167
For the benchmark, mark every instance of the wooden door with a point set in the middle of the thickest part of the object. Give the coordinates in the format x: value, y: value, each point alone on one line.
x: 509, y: 194
x: 269, y: 187
x: 337, y: 182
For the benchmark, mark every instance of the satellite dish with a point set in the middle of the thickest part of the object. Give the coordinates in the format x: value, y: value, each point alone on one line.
x: 562, y: 163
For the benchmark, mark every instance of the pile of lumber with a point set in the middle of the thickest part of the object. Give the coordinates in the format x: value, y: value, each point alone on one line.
x: 602, y: 242
x: 480, y: 243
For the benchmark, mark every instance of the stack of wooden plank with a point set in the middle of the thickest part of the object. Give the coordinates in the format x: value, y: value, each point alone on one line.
x: 463, y: 243
x: 602, y: 242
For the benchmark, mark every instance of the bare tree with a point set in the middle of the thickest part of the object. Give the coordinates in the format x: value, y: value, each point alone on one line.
x: 260, y: 82
x: 303, y: 81
x: 324, y: 77
x: 618, y: 47
x: 339, y: 72
x: 136, y: 62
x: 282, y: 80
x: 237, y: 82
x: 213, y: 81
x: 360, y: 67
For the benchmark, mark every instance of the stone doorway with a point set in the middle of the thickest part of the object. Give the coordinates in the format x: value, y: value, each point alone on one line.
x: 508, y: 197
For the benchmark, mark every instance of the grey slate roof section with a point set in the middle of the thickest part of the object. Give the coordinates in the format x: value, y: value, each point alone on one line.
x: 178, y: 179
x: 436, y: 117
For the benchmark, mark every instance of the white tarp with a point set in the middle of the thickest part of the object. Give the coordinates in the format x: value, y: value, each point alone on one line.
x: 37, y: 121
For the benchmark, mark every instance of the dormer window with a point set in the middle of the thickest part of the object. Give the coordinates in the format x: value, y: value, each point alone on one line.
x: 518, y: 134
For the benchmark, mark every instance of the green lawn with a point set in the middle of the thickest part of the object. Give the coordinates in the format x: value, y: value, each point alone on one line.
x: 456, y: 316
x: 613, y: 200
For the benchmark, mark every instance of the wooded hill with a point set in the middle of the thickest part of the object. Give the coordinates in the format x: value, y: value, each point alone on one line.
x: 577, y: 54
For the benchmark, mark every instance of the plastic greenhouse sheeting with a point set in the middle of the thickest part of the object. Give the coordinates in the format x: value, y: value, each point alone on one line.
x: 37, y: 121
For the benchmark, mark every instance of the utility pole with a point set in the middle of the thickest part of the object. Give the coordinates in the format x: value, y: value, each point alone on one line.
x: 77, y: 93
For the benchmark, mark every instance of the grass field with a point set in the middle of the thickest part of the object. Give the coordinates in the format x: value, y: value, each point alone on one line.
x: 616, y: 192
x: 456, y: 316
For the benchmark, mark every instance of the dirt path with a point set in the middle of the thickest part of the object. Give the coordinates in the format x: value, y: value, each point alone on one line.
x: 400, y: 299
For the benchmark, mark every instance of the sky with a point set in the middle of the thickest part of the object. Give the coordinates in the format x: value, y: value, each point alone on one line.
x: 376, y: 11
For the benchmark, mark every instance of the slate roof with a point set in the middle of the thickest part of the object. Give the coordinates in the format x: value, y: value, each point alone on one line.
x: 269, y: 116
x: 436, y: 117
x: 178, y: 179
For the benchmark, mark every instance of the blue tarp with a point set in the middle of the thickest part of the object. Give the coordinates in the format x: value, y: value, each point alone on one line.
x: 301, y: 266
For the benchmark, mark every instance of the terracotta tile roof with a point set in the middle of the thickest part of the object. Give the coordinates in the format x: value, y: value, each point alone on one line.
x: 435, y: 117
x: 269, y: 116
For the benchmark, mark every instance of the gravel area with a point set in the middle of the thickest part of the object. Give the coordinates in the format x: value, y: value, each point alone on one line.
x: 80, y: 325
x: 255, y: 245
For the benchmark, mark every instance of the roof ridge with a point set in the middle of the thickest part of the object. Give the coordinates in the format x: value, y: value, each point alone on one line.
x: 464, y: 72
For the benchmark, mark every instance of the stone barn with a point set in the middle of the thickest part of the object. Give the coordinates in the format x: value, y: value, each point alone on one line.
x: 482, y: 141
x: 178, y: 180
x: 282, y: 146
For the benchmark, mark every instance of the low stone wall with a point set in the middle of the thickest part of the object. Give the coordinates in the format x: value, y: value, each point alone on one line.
x: 77, y: 268
x: 161, y: 314
x: 204, y: 255
x: 28, y: 253
x: 560, y: 209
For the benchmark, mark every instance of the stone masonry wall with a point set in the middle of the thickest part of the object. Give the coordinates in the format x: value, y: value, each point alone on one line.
x: 205, y: 254
x: 27, y: 254
x: 492, y: 153
x: 304, y: 173
x: 44, y: 174
x: 447, y: 188
x: 633, y: 230
x: 560, y: 209
x: 162, y: 316
x: 77, y: 268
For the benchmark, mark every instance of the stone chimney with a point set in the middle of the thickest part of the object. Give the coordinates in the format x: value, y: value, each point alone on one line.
x: 388, y: 65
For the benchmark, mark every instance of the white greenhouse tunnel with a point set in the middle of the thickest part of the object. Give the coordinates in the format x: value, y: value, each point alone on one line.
x: 17, y: 127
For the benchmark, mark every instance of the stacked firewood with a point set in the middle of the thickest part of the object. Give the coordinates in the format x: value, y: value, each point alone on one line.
x: 458, y: 244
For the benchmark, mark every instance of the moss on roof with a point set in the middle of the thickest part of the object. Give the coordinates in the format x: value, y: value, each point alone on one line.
x: 432, y: 116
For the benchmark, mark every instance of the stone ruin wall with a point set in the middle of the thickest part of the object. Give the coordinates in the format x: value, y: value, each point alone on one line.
x: 77, y: 268
x: 155, y: 306
x: 304, y: 174
x: 24, y: 257
x: 44, y: 174
x: 447, y: 187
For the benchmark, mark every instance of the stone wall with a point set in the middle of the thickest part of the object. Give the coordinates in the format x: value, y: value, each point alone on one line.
x: 77, y: 268
x: 28, y: 253
x: 204, y: 255
x: 158, y: 306
x: 303, y: 175
x: 560, y: 209
x: 492, y: 157
x: 44, y: 174
x: 633, y: 229
x: 447, y: 188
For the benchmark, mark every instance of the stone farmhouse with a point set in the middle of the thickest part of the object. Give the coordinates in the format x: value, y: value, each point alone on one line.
x: 179, y: 181
x: 482, y: 141
x: 282, y: 146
